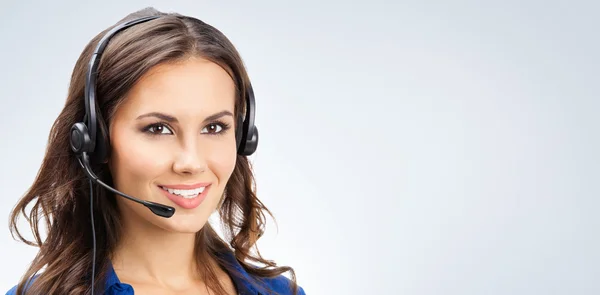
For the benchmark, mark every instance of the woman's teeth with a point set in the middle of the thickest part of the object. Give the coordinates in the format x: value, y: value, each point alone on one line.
x: 186, y: 193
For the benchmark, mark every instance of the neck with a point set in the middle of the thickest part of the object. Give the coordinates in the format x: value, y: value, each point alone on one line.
x: 148, y: 253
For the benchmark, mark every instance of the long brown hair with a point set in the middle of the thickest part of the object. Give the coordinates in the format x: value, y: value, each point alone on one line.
x: 60, y: 191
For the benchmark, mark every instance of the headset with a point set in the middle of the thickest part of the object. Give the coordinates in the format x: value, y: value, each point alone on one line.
x: 89, y: 139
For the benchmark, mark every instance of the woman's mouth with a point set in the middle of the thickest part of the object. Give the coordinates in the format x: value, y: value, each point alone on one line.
x: 187, y: 198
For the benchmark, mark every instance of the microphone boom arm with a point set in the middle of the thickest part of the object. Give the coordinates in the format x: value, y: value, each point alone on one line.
x: 158, y: 209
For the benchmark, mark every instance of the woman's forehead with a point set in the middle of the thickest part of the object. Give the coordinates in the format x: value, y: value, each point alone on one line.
x: 187, y: 86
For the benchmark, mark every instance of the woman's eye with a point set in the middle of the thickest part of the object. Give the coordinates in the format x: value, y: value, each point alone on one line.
x: 212, y: 128
x: 158, y: 129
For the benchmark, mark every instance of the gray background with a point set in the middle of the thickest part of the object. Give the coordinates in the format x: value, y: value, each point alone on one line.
x: 432, y: 147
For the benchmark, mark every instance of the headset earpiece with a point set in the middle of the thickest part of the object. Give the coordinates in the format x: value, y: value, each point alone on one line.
x: 251, y: 142
x: 80, y: 139
x: 249, y: 137
x: 247, y: 142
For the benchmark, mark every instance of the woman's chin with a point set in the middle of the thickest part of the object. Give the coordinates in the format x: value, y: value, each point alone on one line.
x: 182, y: 224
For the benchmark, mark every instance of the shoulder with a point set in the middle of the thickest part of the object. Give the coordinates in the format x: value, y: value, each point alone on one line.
x: 282, y: 285
x: 249, y: 284
x: 13, y: 290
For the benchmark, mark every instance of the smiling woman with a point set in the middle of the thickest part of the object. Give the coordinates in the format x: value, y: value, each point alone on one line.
x: 167, y: 111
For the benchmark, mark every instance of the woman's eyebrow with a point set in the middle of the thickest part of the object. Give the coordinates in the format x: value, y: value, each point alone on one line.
x: 161, y: 116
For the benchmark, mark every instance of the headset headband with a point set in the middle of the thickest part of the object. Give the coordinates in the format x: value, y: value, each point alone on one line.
x: 92, y: 74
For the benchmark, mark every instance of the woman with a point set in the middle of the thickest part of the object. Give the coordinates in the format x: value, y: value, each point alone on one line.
x: 152, y: 140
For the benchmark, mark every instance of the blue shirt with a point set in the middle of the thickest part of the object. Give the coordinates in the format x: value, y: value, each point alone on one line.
x: 279, y: 284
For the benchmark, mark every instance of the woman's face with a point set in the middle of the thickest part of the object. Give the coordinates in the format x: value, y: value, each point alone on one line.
x: 173, y: 142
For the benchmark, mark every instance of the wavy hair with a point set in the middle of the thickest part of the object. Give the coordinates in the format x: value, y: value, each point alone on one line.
x: 59, y: 195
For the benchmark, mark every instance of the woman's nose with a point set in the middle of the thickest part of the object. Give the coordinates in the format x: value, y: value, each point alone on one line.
x: 190, y: 160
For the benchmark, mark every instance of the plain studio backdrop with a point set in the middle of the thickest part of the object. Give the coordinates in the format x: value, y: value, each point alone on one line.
x: 434, y: 147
